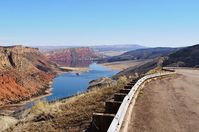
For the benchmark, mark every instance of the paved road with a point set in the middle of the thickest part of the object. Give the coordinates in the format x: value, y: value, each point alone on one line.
x: 168, y: 105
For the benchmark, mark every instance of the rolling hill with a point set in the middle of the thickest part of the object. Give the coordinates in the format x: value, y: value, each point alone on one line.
x: 142, y: 54
x: 185, y: 57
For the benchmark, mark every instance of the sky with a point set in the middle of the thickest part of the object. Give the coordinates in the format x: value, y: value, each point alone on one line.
x: 152, y: 23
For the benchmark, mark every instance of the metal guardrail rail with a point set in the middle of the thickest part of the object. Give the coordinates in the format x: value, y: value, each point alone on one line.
x: 119, y: 117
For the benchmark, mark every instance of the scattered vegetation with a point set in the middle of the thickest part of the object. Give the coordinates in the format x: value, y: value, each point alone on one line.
x: 122, y: 81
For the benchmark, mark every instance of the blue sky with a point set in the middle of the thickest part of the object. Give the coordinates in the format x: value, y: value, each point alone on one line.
x: 95, y: 22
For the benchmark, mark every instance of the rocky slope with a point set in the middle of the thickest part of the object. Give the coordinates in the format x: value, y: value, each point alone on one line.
x: 72, y: 56
x: 142, y: 68
x: 185, y: 57
x: 24, y: 73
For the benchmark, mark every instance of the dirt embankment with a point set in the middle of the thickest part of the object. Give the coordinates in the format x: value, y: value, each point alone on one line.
x: 168, y: 105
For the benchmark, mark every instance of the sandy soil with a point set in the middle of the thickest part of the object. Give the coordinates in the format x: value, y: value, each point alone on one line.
x: 121, y: 65
x: 168, y: 105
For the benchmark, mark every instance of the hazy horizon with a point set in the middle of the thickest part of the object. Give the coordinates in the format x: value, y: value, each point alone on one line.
x: 154, y: 23
x: 68, y: 45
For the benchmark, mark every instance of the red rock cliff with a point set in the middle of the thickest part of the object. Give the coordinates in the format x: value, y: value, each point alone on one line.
x: 24, y: 73
x: 72, y: 56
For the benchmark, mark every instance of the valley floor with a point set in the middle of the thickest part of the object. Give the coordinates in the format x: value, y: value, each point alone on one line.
x: 168, y: 105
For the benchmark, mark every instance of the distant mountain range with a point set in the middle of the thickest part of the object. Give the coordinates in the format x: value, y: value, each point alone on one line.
x: 121, y: 47
x: 100, y: 48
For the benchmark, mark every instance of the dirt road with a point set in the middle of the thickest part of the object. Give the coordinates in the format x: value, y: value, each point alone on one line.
x: 168, y: 105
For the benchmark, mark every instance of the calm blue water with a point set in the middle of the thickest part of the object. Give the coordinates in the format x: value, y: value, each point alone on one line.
x: 69, y: 84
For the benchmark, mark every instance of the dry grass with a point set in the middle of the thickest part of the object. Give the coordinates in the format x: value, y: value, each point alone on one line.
x: 73, y: 114
x: 6, y: 122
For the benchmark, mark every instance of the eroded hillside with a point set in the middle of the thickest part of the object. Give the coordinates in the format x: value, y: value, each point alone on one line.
x: 72, y: 56
x: 24, y: 73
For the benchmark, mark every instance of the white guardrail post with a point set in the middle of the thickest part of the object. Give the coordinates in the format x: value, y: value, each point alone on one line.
x: 119, y: 117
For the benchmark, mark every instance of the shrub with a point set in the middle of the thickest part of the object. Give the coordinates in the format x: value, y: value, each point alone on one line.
x: 122, y: 80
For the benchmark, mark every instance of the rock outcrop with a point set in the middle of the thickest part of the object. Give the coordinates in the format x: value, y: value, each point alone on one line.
x: 24, y: 73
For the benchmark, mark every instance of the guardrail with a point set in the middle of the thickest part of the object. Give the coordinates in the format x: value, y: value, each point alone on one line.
x: 119, y: 117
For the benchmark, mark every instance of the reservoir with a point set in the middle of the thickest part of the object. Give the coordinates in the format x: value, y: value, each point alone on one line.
x: 70, y: 83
